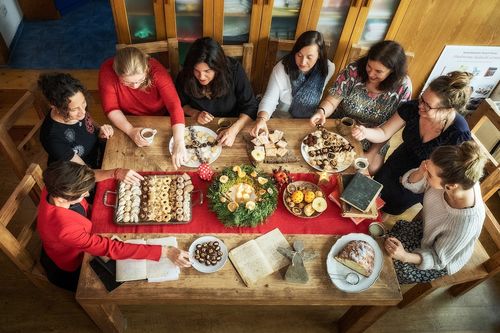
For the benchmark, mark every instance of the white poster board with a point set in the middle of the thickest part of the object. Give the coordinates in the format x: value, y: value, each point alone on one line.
x: 482, y: 61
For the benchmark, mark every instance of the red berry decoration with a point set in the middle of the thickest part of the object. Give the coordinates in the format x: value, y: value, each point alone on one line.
x: 282, y: 176
x: 205, y: 172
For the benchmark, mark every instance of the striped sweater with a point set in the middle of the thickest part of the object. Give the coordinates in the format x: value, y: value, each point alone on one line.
x: 449, y: 233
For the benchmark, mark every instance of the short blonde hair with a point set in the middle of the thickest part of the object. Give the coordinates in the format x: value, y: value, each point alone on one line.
x: 132, y: 61
x: 461, y: 164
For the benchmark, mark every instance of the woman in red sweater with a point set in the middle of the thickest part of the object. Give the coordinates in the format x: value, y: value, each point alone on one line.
x: 65, y: 230
x: 131, y: 83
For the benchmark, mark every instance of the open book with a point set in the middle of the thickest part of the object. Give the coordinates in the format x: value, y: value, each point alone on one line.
x: 259, y: 257
x: 153, y: 271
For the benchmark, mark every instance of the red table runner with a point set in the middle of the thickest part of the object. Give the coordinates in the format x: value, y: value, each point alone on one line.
x: 204, y: 221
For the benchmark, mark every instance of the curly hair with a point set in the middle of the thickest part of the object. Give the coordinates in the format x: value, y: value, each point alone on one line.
x: 308, y: 38
x: 58, y: 88
x: 460, y: 164
x: 132, y: 61
x: 68, y: 180
x: 391, y: 55
x: 206, y: 50
x: 453, y: 89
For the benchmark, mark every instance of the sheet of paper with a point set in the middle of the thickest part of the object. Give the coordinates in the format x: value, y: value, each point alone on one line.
x: 165, y: 269
x: 131, y: 269
x: 269, y: 243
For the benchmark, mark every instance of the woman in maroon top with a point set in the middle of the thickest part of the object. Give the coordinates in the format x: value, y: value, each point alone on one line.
x: 131, y: 83
x: 65, y: 230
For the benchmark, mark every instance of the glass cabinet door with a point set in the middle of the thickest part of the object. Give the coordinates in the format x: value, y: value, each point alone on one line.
x: 189, y: 17
x: 378, y: 21
x: 141, y: 20
x: 285, y: 16
x: 237, y: 15
x: 331, y: 21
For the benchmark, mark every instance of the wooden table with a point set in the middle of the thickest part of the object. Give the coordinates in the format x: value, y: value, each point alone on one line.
x: 122, y: 152
x: 226, y: 287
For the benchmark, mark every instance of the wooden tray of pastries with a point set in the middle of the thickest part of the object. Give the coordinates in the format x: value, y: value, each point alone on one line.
x: 159, y: 199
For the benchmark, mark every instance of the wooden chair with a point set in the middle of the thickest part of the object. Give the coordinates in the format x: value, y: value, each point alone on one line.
x: 29, y: 149
x: 17, y: 247
x: 167, y: 52
x: 482, y: 265
x: 245, y: 52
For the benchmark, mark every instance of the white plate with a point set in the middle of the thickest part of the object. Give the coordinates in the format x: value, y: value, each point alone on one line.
x: 334, y: 267
x: 202, y: 267
x: 346, y: 164
x: 194, y: 164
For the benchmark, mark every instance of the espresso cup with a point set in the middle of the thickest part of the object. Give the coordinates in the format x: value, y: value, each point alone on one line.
x: 361, y: 163
x: 377, y: 229
x: 346, y: 125
x: 223, y: 124
x: 148, y: 134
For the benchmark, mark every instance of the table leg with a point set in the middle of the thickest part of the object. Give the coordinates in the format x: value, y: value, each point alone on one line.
x: 359, y: 318
x: 107, y: 317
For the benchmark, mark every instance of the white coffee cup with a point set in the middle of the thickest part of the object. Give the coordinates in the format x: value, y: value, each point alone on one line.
x: 377, y: 229
x: 148, y: 134
x: 361, y: 163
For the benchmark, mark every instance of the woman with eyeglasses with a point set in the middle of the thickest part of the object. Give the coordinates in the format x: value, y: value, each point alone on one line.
x: 213, y: 85
x: 431, y: 121
x: 297, y: 82
x: 66, y: 232
x: 69, y: 133
x: 134, y: 84
x: 369, y: 90
x: 442, y: 241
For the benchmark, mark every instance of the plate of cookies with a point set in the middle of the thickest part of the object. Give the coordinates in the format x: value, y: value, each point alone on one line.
x: 159, y: 199
x: 201, y: 145
x: 208, y: 254
x: 304, y: 199
x: 327, y: 151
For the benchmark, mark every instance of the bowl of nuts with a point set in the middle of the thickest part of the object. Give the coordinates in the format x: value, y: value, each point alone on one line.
x: 208, y: 254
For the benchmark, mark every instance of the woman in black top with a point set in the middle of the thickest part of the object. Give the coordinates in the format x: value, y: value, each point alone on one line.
x: 69, y: 133
x: 213, y: 85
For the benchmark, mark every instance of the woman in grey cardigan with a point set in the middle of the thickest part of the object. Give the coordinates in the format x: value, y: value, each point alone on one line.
x: 452, y: 216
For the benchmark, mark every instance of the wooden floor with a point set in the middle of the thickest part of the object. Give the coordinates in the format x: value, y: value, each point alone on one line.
x: 23, y: 308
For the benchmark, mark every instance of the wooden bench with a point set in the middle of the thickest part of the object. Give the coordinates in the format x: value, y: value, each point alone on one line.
x: 482, y: 265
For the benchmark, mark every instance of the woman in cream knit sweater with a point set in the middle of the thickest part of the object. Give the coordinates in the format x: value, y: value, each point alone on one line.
x: 452, y: 216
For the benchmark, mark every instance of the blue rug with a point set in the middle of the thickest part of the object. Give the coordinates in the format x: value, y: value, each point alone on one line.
x: 82, y: 39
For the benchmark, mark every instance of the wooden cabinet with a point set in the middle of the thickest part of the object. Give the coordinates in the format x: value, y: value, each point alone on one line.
x: 343, y: 23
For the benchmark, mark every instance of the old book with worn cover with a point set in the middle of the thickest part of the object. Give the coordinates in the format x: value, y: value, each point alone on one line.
x: 361, y: 192
x: 259, y: 257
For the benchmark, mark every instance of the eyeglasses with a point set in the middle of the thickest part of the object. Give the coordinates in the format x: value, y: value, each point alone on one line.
x: 134, y: 84
x: 426, y: 105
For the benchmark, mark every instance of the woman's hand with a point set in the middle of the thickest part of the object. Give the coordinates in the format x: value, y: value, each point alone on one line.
x: 135, y: 134
x: 227, y: 137
x: 260, y: 125
x: 106, y: 132
x: 179, y: 154
x: 128, y: 176
x: 359, y: 132
x: 203, y: 117
x: 178, y: 257
x: 395, y: 249
x: 318, y: 118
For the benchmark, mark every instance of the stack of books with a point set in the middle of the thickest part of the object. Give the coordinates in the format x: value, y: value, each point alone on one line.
x: 358, y: 197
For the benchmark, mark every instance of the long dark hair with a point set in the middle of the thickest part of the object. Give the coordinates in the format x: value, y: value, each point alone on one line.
x: 391, y: 55
x: 58, y: 88
x: 206, y: 50
x: 308, y: 38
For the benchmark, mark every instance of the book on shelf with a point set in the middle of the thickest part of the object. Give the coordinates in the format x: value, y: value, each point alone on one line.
x: 361, y: 192
x: 259, y: 257
x: 153, y: 271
